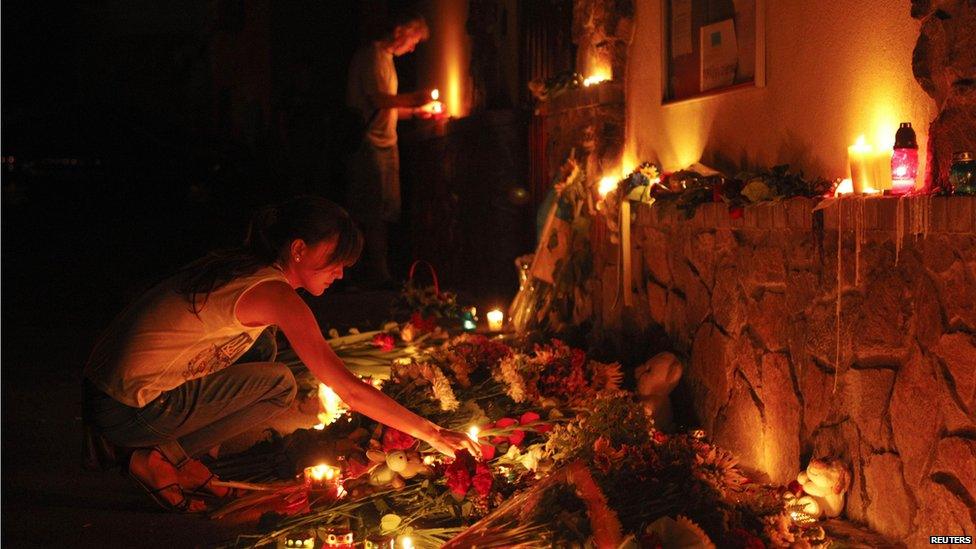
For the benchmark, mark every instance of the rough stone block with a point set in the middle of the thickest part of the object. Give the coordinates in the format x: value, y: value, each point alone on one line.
x: 728, y: 303
x: 740, y: 428
x: 915, y: 421
x: 866, y: 397
x: 955, y: 458
x: 881, y: 322
x: 957, y: 352
x: 766, y: 315
x: 941, y: 510
x: 960, y: 214
x: 957, y: 291
x: 708, y: 377
x: 781, y: 436
x: 891, y: 509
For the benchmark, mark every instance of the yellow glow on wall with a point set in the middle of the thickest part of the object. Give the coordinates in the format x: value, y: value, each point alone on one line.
x: 447, y: 55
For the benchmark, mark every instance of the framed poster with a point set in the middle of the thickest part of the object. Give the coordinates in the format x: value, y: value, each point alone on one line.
x: 711, y: 46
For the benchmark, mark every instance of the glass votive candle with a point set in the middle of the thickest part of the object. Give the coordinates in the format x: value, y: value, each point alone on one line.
x: 298, y: 540
x: 338, y: 537
x: 380, y: 542
x: 496, y: 320
x: 325, y: 478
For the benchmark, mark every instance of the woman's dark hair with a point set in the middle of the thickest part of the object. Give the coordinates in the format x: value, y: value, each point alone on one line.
x: 271, y: 232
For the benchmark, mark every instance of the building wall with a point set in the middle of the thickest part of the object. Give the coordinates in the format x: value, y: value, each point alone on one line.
x: 783, y: 368
x: 834, y: 71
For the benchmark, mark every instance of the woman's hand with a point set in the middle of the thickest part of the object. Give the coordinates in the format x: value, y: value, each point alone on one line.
x: 447, y: 442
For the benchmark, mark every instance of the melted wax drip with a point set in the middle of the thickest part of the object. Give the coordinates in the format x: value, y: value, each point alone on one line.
x: 840, y: 280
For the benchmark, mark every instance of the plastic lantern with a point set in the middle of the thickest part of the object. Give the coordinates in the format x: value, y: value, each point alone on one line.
x: 904, y: 160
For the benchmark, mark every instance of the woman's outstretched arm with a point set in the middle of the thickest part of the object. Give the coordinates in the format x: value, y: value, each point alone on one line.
x: 277, y: 303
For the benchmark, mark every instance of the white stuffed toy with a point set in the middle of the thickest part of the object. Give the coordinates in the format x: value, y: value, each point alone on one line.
x: 656, y: 378
x: 824, y: 483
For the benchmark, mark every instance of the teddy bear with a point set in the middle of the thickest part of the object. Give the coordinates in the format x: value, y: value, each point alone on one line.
x: 394, y: 467
x: 824, y: 484
x: 656, y: 378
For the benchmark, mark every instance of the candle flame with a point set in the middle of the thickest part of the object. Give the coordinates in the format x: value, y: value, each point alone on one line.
x: 595, y: 79
x: 495, y: 315
x: 473, y: 433
x: 606, y: 185
x: 406, y: 542
x: 861, y: 145
x: 322, y: 471
x: 332, y: 406
x: 435, y: 94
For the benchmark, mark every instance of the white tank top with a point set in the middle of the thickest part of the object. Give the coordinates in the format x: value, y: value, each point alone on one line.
x: 158, y: 343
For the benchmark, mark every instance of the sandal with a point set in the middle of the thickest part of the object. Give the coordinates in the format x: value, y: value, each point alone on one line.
x: 202, y: 491
x: 183, y: 506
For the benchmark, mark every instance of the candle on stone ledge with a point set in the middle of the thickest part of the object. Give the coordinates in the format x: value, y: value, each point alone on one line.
x: 496, y: 320
x: 859, y: 155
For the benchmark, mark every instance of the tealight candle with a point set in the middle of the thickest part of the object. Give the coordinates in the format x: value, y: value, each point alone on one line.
x: 339, y: 537
x: 496, y: 320
x: 324, y: 477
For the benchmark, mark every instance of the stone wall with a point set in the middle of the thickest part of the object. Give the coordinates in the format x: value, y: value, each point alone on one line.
x: 779, y: 372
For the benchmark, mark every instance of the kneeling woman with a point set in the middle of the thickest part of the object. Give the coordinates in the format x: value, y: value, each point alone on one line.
x: 163, y: 381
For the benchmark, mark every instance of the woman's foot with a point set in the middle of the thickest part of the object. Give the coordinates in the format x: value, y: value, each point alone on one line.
x: 160, y: 479
x: 195, y: 478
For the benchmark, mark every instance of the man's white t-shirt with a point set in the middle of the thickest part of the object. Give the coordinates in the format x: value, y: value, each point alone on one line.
x: 371, y: 72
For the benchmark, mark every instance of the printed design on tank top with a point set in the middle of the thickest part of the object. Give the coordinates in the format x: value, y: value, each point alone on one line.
x: 217, y: 357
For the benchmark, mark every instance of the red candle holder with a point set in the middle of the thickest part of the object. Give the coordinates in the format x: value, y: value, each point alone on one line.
x: 324, y: 478
x: 341, y: 538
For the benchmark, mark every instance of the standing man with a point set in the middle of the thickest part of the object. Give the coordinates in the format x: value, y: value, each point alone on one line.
x: 374, y: 169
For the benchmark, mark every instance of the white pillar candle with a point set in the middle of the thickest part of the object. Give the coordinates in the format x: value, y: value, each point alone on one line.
x: 496, y: 319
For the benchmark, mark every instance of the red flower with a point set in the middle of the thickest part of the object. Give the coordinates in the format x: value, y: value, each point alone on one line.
x: 482, y: 480
x: 396, y: 440
x: 529, y: 417
x: 384, y: 341
x: 423, y: 325
x: 458, y: 479
x: 515, y: 437
x: 457, y: 474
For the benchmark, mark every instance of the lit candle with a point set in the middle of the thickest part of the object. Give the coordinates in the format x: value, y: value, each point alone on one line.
x: 606, y: 185
x: 496, y: 319
x: 406, y: 542
x: 881, y: 163
x: 860, y: 157
x: 324, y: 477
x: 339, y: 537
x: 301, y: 540
x: 473, y: 433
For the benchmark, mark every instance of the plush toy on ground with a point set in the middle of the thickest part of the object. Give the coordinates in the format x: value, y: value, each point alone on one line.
x: 823, y: 484
x: 656, y: 378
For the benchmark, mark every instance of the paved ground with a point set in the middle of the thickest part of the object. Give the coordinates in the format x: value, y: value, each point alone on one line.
x: 48, y: 499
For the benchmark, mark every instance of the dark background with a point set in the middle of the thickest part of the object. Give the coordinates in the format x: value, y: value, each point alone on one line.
x: 137, y: 135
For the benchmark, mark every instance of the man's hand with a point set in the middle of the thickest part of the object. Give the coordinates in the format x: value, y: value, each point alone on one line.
x: 421, y: 97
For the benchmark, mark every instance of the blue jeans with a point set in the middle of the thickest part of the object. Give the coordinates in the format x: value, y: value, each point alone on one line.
x: 187, y: 421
